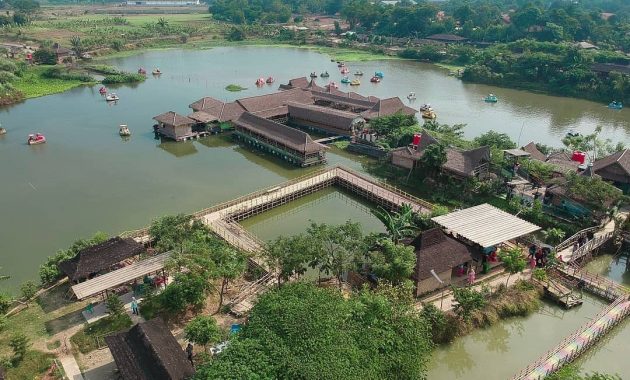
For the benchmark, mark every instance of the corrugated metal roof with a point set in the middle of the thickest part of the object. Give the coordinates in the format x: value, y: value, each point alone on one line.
x: 120, y: 276
x: 485, y: 225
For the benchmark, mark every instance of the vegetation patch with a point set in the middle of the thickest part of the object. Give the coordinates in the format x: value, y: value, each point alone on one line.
x: 103, y: 69
x: 33, y: 365
x: 90, y: 337
x: 123, y: 77
x: 235, y: 88
x: 45, y: 80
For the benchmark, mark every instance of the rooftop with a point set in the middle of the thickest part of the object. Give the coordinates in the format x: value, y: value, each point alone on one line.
x: 173, y: 118
x: 485, y: 225
x: 323, y: 115
x: 435, y: 250
x: 464, y: 162
x: 534, y: 153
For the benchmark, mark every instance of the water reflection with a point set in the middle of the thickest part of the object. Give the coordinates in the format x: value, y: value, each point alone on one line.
x: 178, y: 149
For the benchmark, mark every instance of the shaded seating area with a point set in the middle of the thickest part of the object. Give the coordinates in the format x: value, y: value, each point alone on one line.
x: 149, y: 351
x: 446, y: 256
x: 100, y: 258
x: 326, y: 120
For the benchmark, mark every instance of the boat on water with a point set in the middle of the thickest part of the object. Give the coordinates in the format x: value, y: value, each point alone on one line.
x: 358, y: 73
x: 3, y: 131
x: 124, y: 131
x: 345, y: 80
x: 332, y: 85
x: 379, y: 74
x: 425, y: 107
x: 345, y: 70
x: 491, y: 98
x: 111, y: 97
x: 411, y: 96
x: 36, y: 139
x: 615, y: 105
x: 375, y: 79
x: 341, y: 64
x: 429, y: 114
x: 156, y: 72
x: 142, y: 71
x: 355, y: 82
x: 313, y: 75
x: 102, y: 91
x: 270, y: 80
x: 260, y: 82
x: 324, y: 74
x: 573, y: 133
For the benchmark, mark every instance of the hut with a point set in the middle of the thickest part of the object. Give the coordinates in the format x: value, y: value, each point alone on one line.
x: 204, y: 122
x: 291, y: 144
x: 62, y: 53
x: 100, y: 257
x: 274, y: 106
x: 149, y: 351
x: 441, y: 253
x: 534, y: 153
x: 616, y: 169
x: 387, y: 107
x: 174, y: 126
x: 207, y: 104
x: 326, y: 120
x: 467, y: 163
x: 408, y: 157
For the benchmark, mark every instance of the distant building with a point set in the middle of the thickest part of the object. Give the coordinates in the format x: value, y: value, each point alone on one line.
x: 164, y: 3
x: 174, y: 126
x: 326, y: 120
x: 585, y: 45
x: 447, y: 38
x: 615, y: 168
x: 607, y: 68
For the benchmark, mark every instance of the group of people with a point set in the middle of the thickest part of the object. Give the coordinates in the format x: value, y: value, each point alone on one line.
x: 538, y: 256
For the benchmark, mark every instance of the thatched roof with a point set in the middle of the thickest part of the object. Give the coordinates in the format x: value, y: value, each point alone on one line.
x: 99, y: 257
x: 425, y: 140
x: 615, y: 167
x: 386, y: 107
x: 342, y: 98
x: 287, y: 136
x: 202, y: 117
x: 276, y: 100
x: 322, y: 115
x: 174, y: 119
x: 610, y: 67
x: 148, y: 351
x: 435, y: 250
x: 465, y: 162
x: 562, y: 162
x: 534, y: 152
x: 207, y: 104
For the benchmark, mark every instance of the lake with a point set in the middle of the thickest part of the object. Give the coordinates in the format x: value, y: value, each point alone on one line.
x: 88, y: 179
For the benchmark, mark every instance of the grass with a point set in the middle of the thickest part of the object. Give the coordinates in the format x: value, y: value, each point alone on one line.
x: 86, y: 339
x: 33, y: 366
x: 33, y: 84
x: 235, y: 88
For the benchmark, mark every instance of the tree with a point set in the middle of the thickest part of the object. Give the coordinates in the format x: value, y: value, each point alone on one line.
x: 289, y: 256
x: 338, y: 246
x: 513, y: 260
x: 202, y: 330
x: 236, y: 34
x: 171, y: 231
x: 25, y: 6
x: 45, y: 56
x: 338, y: 29
x: 433, y: 158
x: 393, y: 262
x: 77, y: 46
x: 28, y: 290
x: 467, y: 300
x: 553, y: 236
x: 19, y: 343
x: 399, y: 224
x: 230, y: 264
x: 5, y: 302
x: 115, y: 306
x: 495, y: 140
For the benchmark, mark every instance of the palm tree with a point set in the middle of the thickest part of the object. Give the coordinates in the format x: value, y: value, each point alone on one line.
x: 398, y: 224
x: 77, y: 46
x: 162, y: 22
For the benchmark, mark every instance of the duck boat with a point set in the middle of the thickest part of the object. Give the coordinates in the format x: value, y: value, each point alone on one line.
x: 270, y: 80
x: 156, y: 72
x: 491, y: 98
x: 358, y: 73
x: 260, y: 81
x: 124, y: 131
x: 332, y: 85
x: 345, y: 70
x: 573, y: 133
x: 615, y: 105
x: 355, y: 82
x: 341, y: 64
x: 313, y: 75
x: 324, y: 74
x: 429, y: 114
x: 142, y: 71
x: 102, y: 91
x: 3, y: 131
x: 425, y: 107
x: 36, y: 139
x: 411, y: 96
x: 379, y: 74
x: 345, y: 80
x: 111, y: 97
x: 375, y: 79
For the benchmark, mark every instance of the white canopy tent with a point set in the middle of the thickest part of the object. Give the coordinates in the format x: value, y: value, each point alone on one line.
x: 485, y: 225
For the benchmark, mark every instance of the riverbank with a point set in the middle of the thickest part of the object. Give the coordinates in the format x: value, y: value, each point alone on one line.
x: 34, y: 83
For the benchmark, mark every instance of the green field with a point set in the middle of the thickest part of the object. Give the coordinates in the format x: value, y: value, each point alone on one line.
x: 33, y: 85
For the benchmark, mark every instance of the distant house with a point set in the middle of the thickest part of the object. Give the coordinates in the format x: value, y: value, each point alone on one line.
x: 562, y: 163
x: 534, y: 153
x: 408, y: 157
x: 585, y: 45
x: 447, y: 38
x: 100, y: 257
x: 438, y: 252
x: 290, y: 144
x: 149, y: 351
x: 62, y: 53
x: 174, y: 126
x: 467, y: 163
x: 326, y: 120
x: 606, y: 15
x: 387, y: 107
x: 607, y: 68
x: 616, y: 169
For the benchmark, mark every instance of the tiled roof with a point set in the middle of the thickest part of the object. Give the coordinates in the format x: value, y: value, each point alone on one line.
x: 326, y: 116
x: 173, y: 118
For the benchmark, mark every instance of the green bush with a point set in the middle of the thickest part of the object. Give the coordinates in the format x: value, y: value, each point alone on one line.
x: 5, y: 302
x: 103, y: 69
x: 86, y: 339
x: 45, y: 56
x: 124, y: 78
x: 58, y: 72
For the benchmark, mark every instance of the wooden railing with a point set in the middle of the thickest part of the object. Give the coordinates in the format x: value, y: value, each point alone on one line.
x: 571, y: 240
x: 590, y: 246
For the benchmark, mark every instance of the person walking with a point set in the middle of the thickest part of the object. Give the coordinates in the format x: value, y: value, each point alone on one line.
x: 134, y: 306
x: 189, y: 353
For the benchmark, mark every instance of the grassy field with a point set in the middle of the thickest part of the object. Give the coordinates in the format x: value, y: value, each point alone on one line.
x: 34, y: 364
x: 33, y: 85
x: 86, y: 339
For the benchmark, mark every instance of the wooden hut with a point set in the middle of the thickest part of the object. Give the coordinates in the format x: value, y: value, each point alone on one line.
x: 204, y: 122
x: 174, y: 126
x: 408, y: 157
x: 616, y: 169
x: 290, y: 144
x: 100, y: 257
x: 149, y: 351
x: 326, y: 120
x: 467, y: 163
x: 387, y: 107
x: 438, y: 252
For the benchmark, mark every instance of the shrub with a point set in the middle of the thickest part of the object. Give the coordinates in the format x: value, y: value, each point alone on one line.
x: 202, y: 330
x: 19, y: 343
x: 115, y: 306
x: 124, y: 78
x: 443, y: 327
x: 236, y: 34
x: 28, y: 290
x: 45, y: 56
x: 86, y: 339
x: 468, y: 300
x: 3, y: 322
x: 5, y: 302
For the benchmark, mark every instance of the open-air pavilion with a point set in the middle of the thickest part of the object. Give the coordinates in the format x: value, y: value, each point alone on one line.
x: 485, y: 225
x: 121, y: 276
